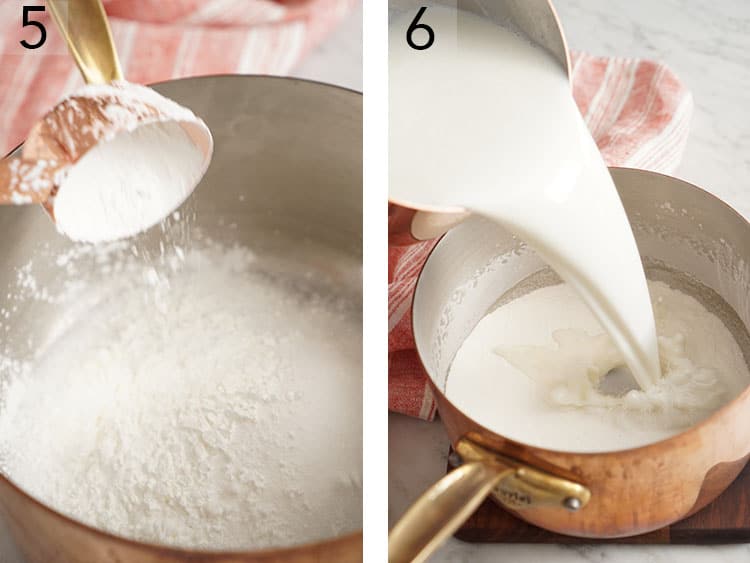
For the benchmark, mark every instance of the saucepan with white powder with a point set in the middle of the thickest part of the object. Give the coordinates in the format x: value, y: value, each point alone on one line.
x: 517, y: 363
x: 194, y: 392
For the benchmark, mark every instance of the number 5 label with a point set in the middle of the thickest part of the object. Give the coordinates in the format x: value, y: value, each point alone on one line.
x: 27, y: 21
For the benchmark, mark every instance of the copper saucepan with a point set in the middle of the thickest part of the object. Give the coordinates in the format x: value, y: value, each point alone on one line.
x: 684, y: 234
x: 288, y: 160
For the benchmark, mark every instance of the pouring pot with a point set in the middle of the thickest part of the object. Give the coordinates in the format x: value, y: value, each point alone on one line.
x: 409, y: 222
x: 679, y: 228
x: 288, y: 158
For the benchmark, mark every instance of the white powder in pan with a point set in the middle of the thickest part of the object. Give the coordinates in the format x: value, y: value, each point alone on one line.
x: 214, y: 407
x: 128, y: 183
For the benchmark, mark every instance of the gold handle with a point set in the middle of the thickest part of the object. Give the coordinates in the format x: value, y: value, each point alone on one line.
x: 84, y: 26
x: 439, y: 512
x: 523, y: 486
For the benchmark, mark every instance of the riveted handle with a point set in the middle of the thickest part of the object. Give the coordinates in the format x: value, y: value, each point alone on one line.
x: 441, y: 510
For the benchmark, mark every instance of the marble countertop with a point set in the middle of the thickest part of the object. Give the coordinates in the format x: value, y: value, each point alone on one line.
x: 338, y: 60
x: 707, y: 44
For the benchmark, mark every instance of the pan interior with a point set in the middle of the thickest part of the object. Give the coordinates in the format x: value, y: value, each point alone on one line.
x: 284, y: 194
x: 689, y: 240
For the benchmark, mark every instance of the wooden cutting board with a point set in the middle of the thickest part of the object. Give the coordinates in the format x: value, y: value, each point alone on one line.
x: 726, y: 520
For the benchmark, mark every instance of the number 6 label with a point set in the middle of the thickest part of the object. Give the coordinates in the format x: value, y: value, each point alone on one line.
x: 415, y: 25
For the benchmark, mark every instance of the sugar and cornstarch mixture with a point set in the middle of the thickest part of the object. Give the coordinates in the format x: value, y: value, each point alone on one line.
x: 129, y: 165
x: 202, y: 395
x: 189, y: 407
x: 484, y: 120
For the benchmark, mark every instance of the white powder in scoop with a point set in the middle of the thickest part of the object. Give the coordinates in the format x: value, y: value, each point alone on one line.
x: 128, y: 183
x: 218, y: 406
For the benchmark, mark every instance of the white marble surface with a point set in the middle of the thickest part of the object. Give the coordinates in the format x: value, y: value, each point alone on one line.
x: 708, y: 44
x: 338, y: 60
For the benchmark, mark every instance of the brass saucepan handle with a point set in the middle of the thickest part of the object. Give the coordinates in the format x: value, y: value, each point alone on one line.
x: 84, y: 26
x: 439, y: 512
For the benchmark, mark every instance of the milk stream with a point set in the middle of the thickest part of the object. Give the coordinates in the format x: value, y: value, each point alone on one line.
x: 486, y: 121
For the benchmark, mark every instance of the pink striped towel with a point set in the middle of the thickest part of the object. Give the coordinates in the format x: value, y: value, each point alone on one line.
x: 639, y: 114
x: 156, y: 41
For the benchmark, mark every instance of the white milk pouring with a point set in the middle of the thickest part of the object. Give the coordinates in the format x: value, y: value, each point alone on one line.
x: 484, y: 120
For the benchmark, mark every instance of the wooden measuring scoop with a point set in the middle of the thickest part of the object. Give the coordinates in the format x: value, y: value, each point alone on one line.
x: 107, y: 106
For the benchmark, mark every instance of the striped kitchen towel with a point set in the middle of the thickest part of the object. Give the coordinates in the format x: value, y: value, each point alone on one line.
x: 158, y: 40
x: 639, y: 114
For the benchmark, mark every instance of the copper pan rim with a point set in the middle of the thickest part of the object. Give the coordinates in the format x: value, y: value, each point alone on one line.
x: 566, y: 48
x: 180, y: 551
